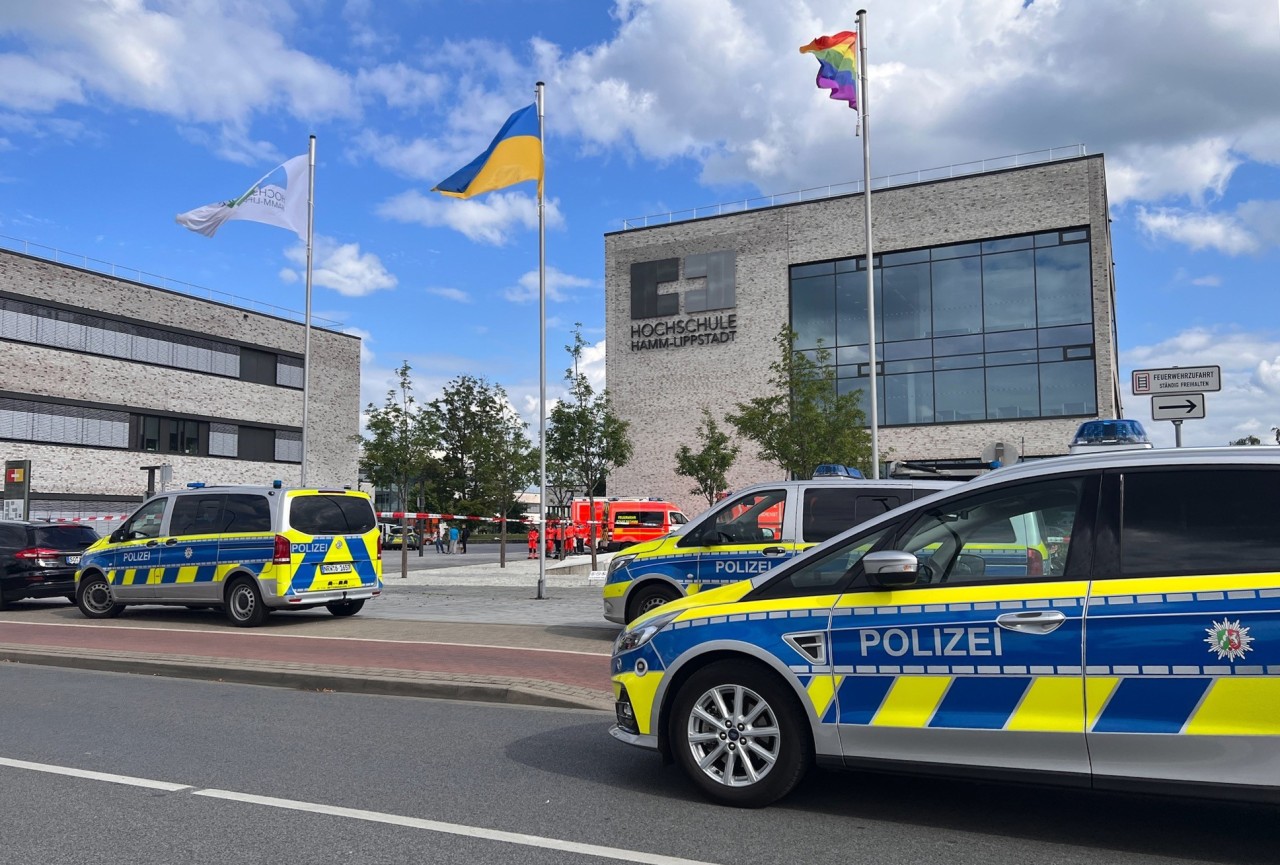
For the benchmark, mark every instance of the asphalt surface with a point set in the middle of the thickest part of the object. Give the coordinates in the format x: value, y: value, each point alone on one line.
x: 457, y: 627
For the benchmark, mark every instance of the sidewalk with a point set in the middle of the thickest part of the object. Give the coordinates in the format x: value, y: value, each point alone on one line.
x: 558, y: 665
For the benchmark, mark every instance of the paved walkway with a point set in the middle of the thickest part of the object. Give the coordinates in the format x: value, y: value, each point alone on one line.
x: 473, y: 632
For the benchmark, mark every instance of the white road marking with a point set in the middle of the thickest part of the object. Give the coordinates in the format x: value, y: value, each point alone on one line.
x: 459, y: 829
x: 95, y: 776
x: 522, y: 649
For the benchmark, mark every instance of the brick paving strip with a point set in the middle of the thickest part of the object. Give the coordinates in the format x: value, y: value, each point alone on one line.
x: 527, y: 676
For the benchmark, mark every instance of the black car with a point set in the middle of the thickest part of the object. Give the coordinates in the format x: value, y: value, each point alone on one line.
x: 40, y: 560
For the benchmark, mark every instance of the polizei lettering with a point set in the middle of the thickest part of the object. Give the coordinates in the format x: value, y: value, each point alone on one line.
x: 932, y: 642
x: 137, y: 557
x: 746, y: 566
x: 308, y: 548
x: 682, y: 332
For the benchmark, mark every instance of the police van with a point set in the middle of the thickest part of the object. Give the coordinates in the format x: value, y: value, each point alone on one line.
x: 747, y: 534
x: 245, y: 549
x: 1144, y: 652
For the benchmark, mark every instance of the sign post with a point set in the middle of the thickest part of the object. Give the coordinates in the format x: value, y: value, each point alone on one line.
x: 17, y: 489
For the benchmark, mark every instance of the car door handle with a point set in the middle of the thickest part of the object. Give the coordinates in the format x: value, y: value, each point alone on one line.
x: 774, y: 551
x: 171, y: 542
x: 1032, y: 622
x: 152, y: 543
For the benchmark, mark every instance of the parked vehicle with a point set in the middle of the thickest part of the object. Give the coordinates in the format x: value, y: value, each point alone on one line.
x: 246, y: 549
x: 622, y: 521
x: 1142, y: 653
x: 747, y: 534
x: 398, y: 536
x: 39, y: 560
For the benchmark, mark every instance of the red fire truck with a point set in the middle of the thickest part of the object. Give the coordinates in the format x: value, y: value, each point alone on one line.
x: 621, y: 521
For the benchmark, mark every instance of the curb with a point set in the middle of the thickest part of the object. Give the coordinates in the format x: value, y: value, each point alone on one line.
x: 314, y: 677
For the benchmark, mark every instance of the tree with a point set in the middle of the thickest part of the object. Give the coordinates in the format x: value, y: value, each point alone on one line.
x: 708, y: 466
x: 1246, y: 440
x: 806, y: 421
x: 397, y: 454
x: 585, y: 436
x: 487, y: 455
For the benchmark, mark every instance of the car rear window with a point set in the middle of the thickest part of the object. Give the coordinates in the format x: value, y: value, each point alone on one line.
x: 65, y: 537
x: 332, y: 515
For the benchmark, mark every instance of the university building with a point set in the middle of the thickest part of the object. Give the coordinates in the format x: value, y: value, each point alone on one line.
x: 102, y: 376
x: 994, y: 315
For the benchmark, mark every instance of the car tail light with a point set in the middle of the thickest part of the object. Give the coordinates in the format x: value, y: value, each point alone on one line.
x: 379, y: 546
x: 1035, y: 563
x: 40, y: 555
x: 282, y: 553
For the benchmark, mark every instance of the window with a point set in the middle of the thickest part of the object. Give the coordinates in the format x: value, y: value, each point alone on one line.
x: 288, y: 447
x: 146, y: 522
x: 32, y: 420
x: 648, y: 519
x: 224, y: 440
x: 1200, y: 521
x: 752, y: 518
x: 196, y: 515
x: 1023, y: 302
x: 13, y: 537
x: 830, y: 574
x: 331, y: 515
x: 246, y: 513
x: 995, y: 535
x: 289, y: 372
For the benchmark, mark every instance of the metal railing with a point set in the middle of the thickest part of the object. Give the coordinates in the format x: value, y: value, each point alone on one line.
x: 84, y: 262
x: 924, y: 175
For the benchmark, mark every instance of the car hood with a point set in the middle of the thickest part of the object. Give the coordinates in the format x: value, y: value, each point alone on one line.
x: 719, y: 595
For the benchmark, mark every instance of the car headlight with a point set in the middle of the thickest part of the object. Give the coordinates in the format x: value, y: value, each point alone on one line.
x: 634, y: 637
x: 619, y: 562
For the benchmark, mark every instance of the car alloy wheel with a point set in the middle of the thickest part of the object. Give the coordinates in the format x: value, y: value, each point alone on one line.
x: 733, y: 735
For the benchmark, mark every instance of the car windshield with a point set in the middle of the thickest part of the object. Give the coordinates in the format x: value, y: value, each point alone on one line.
x: 64, y: 537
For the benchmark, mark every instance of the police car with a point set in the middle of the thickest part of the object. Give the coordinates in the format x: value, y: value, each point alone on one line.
x: 1145, y: 651
x: 245, y: 549
x: 746, y: 534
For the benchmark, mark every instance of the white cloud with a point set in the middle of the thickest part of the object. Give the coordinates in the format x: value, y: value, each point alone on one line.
x: 203, y: 62
x: 1219, y: 231
x: 490, y: 219
x: 1211, y: 280
x: 400, y: 86
x: 526, y: 288
x: 454, y: 294
x: 342, y: 267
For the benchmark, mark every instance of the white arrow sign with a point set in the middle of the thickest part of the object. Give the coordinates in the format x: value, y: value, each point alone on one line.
x: 1183, y: 406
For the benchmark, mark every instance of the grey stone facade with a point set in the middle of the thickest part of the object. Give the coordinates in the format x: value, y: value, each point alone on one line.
x: 74, y: 376
x: 662, y: 391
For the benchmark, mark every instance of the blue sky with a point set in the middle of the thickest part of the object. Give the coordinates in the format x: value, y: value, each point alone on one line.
x: 118, y: 114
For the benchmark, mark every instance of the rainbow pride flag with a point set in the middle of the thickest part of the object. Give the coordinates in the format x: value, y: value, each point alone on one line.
x: 837, y: 64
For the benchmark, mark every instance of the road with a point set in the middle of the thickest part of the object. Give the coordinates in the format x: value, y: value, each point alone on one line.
x: 263, y: 775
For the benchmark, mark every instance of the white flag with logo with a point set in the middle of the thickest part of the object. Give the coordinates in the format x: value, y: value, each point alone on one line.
x: 285, y: 207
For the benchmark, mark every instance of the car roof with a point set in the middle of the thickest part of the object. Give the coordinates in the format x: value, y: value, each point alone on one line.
x: 1117, y: 458
x: 853, y: 483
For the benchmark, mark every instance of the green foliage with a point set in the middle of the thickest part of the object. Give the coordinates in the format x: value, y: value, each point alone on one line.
x: 487, y: 456
x: 397, y: 455
x: 806, y: 421
x: 1247, y: 440
x: 708, y: 466
x: 586, y: 440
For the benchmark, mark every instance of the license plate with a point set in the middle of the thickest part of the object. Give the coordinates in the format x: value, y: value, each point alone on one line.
x: 336, y: 568
x: 73, y: 560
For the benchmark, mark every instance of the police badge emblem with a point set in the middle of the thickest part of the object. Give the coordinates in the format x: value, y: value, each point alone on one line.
x: 1228, y: 640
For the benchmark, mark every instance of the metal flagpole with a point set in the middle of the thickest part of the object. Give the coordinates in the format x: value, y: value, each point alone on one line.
x: 542, y: 355
x: 866, y: 204
x: 306, y: 340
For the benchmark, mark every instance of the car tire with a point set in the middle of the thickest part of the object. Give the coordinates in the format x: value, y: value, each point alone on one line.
x: 650, y: 598
x: 345, y: 608
x: 93, y: 597
x: 244, y: 606
x: 761, y: 755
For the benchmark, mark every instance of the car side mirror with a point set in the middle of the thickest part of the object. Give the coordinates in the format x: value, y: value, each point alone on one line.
x: 117, y: 536
x: 891, y: 568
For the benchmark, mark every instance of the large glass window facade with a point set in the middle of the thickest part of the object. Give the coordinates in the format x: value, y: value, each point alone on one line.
x: 988, y: 330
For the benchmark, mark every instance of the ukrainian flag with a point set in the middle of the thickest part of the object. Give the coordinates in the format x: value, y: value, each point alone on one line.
x: 514, y: 155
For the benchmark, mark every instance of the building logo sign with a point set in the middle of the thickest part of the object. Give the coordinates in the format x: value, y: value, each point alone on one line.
x: 674, y: 330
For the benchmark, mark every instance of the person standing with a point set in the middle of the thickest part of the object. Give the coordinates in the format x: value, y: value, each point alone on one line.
x: 533, y: 543
x: 466, y: 533
x: 441, y: 533
x: 453, y: 539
